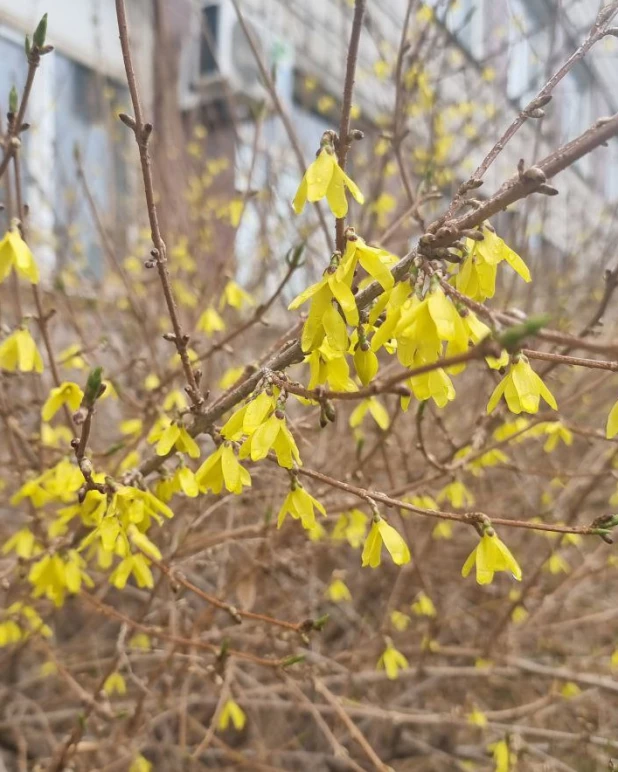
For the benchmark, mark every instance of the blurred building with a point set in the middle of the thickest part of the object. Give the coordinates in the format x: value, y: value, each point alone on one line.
x: 73, y: 91
x: 194, y: 59
x: 507, y: 50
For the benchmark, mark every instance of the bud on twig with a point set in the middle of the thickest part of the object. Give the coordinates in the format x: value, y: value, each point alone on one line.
x: 13, y: 100
x: 547, y: 190
x: 40, y: 32
x: 127, y: 120
x: 512, y: 337
x: 94, y: 387
x: 534, y: 174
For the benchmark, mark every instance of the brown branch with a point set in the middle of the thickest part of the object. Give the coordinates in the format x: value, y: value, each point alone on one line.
x: 142, y: 131
x: 345, y: 140
x: 598, y: 31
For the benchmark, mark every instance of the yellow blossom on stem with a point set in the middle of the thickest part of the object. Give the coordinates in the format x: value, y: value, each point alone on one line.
x: 324, y: 320
x: 392, y: 661
x: 328, y: 366
x: 502, y: 756
x: 23, y: 543
x: 443, y: 530
x: 351, y: 526
x: 555, y: 431
x: 136, y: 564
x: 337, y: 591
x: 274, y: 435
x: 186, y: 481
x: 230, y: 377
x: 375, y: 408
x: 114, y: 684
x: 15, y: 253
x: 210, y: 322
x: 434, y: 385
x: 491, y: 555
x: 476, y: 277
x: 423, y: 606
x: 557, y: 565
x: 174, y: 435
x: 71, y: 358
x: 400, y: 621
x: 522, y: 389
x: 458, y: 495
x: 234, y: 295
x: 140, y: 764
x: 383, y: 533
x: 19, y: 352
x: 222, y: 468
x: 324, y: 178
x: 611, y: 429
x: 365, y: 362
x: 232, y: 712
x: 53, y: 576
x: 67, y: 393
x: 477, y: 718
x: 377, y: 262
x: 131, y: 426
x: 301, y: 505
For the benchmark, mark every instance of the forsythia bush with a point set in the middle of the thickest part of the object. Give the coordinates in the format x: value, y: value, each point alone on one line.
x: 149, y: 544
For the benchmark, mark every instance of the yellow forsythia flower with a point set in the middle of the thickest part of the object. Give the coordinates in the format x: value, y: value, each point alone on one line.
x: 491, y: 555
x: 71, y: 359
x: 174, y: 435
x: 352, y: 526
x: 15, y: 253
x: 477, y: 718
x: 392, y: 661
x: 382, y: 532
x: 234, y: 295
x: 556, y: 565
x: 366, y: 363
x: 423, y: 606
x: 274, y: 435
x: 300, y: 505
x: 570, y: 689
x: 443, y: 530
x: 338, y: 591
x: 502, y: 756
x: 114, y: 684
x: 140, y: 764
x: 522, y: 389
x: 230, y: 377
x: 611, y: 429
x: 67, y: 393
x: 210, y: 322
x: 19, y: 352
x: 23, y: 543
x: 326, y: 179
x: 400, y: 621
x: 222, y: 468
x: 457, y: 493
x: 140, y: 641
x: 519, y: 615
x: 151, y: 382
x: 131, y: 426
x: 477, y: 274
x: 234, y: 713
x: 376, y: 410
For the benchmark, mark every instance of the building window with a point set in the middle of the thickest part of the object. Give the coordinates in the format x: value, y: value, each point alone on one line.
x: 84, y: 104
x: 209, y: 39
